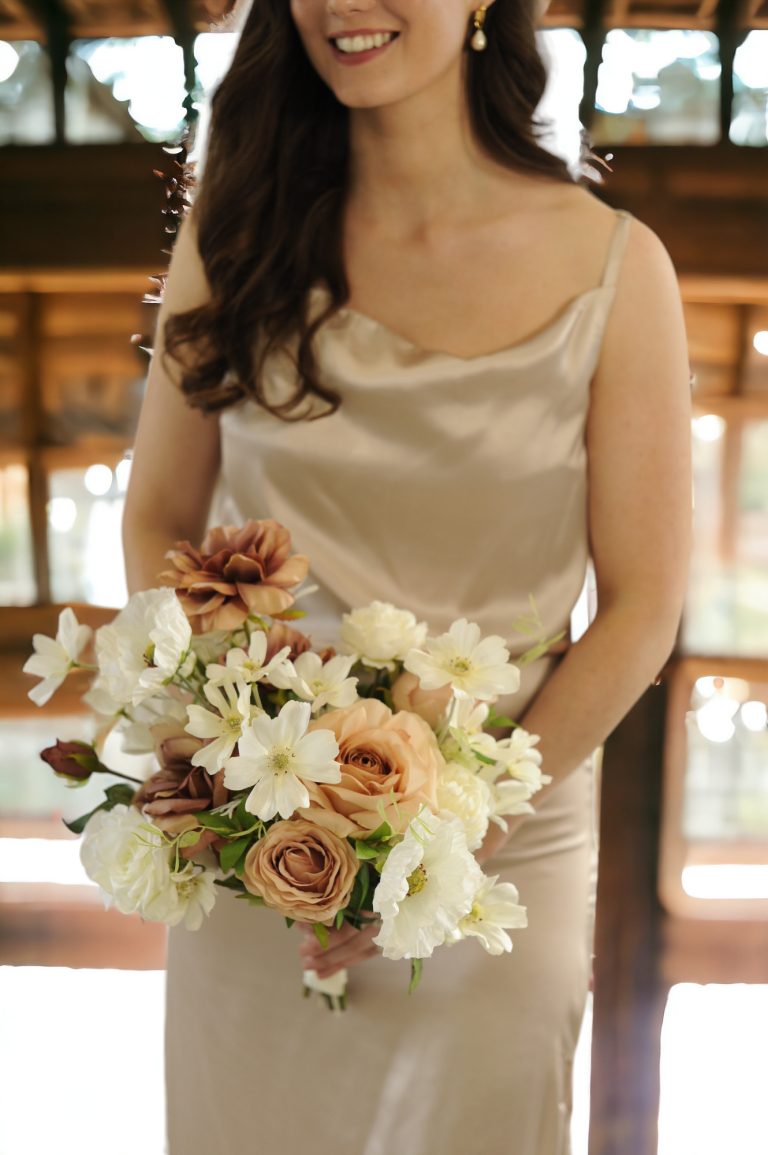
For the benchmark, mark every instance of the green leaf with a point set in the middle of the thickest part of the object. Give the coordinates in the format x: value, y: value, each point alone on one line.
x: 218, y: 823
x: 381, y: 833
x: 233, y: 854
x: 252, y: 899
x: 321, y: 934
x: 339, y: 920
x: 484, y: 758
x: 364, y: 851
x: 292, y: 615
x: 493, y: 720
x: 417, y: 966
x: 231, y: 883
x: 289, y: 922
x: 121, y: 794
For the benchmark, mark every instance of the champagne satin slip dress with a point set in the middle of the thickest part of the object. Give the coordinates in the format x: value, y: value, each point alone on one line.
x: 452, y: 487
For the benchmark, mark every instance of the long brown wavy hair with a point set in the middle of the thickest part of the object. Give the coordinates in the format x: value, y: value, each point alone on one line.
x: 270, y: 207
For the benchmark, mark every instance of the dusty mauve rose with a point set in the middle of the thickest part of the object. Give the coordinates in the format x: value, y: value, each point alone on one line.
x: 430, y: 705
x: 77, y: 760
x: 238, y: 570
x: 389, y: 769
x: 302, y: 870
x: 178, y: 790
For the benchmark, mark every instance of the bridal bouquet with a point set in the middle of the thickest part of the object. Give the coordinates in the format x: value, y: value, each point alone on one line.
x: 330, y: 787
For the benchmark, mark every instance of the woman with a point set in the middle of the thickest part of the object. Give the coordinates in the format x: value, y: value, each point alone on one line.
x: 453, y: 374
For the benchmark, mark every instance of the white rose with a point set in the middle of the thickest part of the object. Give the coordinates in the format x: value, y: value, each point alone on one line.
x: 462, y: 793
x: 143, y: 647
x: 381, y: 635
x: 128, y: 857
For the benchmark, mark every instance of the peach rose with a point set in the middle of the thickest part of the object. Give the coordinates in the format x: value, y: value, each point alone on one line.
x: 238, y: 570
x: 390, y: 764
x: 302, y: 870
x: 430, y: 705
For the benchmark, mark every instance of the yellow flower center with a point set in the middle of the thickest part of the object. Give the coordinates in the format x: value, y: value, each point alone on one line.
x: 280, y: 760
x: 234, y: 723
x: 417, y: 880
x: 461, y: 665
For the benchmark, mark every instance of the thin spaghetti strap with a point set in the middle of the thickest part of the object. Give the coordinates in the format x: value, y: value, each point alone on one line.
x: 616, y: 248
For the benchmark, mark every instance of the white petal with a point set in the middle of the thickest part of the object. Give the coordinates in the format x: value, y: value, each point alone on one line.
x: 290, y: 794
x: 291, y: 723
x: 202, y: 723
x: 44, y: 691
x: 262, y: 801
x: 239, y: 773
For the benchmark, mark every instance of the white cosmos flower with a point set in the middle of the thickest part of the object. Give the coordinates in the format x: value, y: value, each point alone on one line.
x: 320, y: 683
x: 426, y: 887
x: 248, y: 666
x: 141, y: 650
x: 231, y: 702
x: 473, y: 666
x: 495, y: 909
x: 380, y: 635
x: 276, y: 756
x: 463, y: 793
x: 53, y: 659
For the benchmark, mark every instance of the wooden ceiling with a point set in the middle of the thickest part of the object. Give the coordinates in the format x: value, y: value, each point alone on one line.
x: 32, y: 19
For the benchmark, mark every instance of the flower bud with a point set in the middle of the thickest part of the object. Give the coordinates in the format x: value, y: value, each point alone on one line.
x: 75, y: 760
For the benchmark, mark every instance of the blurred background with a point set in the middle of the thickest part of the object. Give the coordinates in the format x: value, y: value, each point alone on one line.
x: 675, y: 96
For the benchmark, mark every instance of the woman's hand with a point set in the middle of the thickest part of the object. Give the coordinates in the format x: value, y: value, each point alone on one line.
x: 346, y: 947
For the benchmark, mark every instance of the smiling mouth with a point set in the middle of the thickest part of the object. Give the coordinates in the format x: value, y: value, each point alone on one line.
x: 350, y: 45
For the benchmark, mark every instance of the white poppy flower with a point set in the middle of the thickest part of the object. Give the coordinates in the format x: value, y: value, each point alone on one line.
x: 248, y: 667
x: 426, y: 887
x: 141, y: 650
x: 463, y: 793
x: 53, y: 659
x: 380, y: 635
x: 276, y: 756
x: 231, y: 702
x: 495, y: 909
x: 473, y: 666
x: 320, y: 683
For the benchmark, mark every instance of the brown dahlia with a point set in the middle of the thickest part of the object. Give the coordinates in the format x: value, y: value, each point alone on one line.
x: 238, y: 571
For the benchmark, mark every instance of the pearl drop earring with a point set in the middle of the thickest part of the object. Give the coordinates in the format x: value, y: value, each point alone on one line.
x: 479, y: 40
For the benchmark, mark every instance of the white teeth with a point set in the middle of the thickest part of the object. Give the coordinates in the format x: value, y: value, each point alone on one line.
x: 363, y: 43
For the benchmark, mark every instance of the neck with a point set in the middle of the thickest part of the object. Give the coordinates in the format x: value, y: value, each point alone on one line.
x: 416, y: 167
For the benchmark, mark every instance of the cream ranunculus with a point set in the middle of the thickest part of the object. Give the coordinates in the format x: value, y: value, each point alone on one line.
x: 302, y: 870
x: 380, y: 635
x: 463, y: 793
x: 128, y: 857
x: 390, y: 765
x: 427, y: 886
